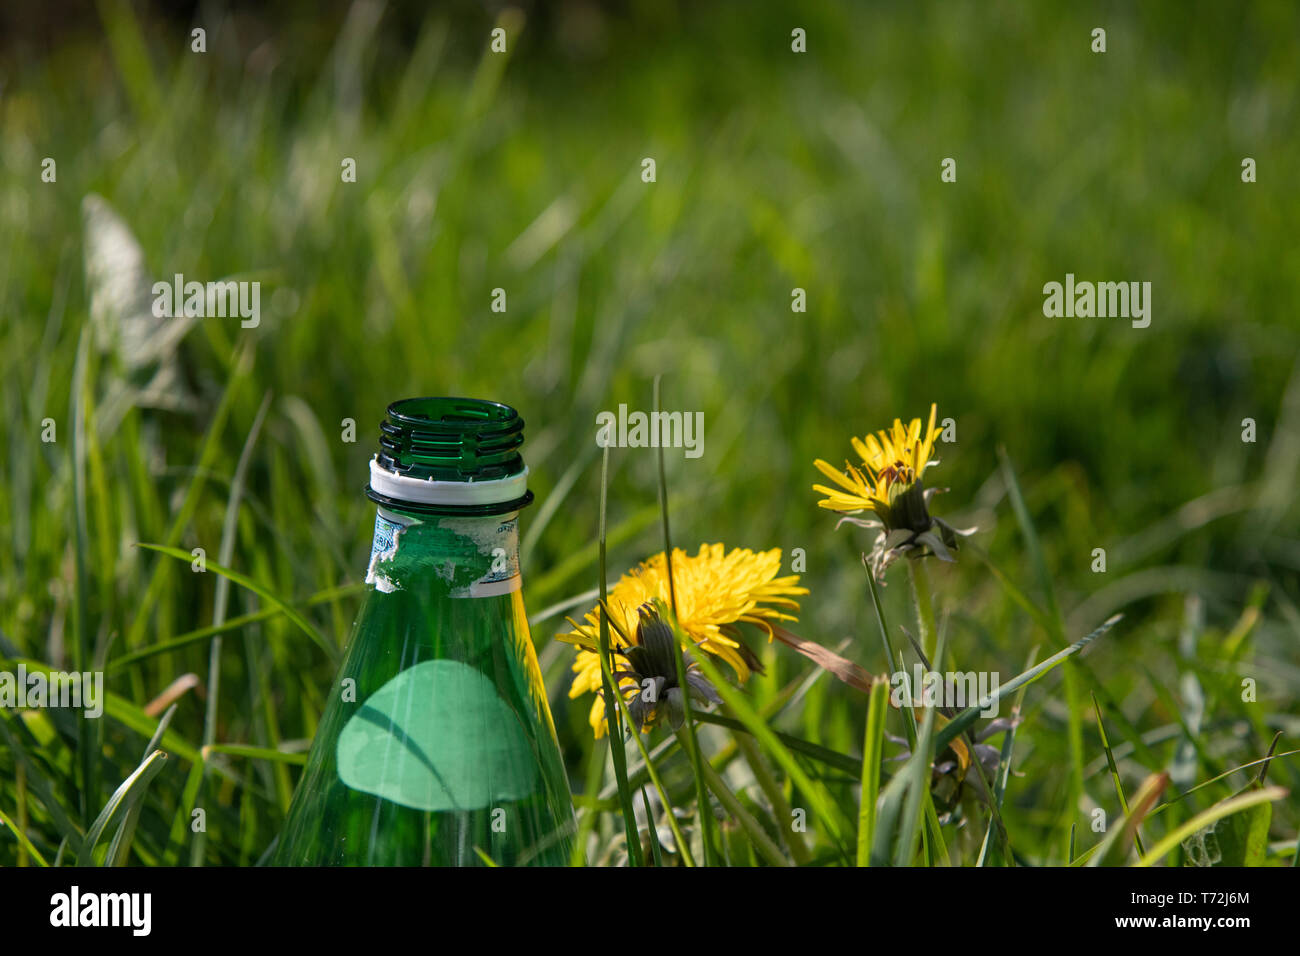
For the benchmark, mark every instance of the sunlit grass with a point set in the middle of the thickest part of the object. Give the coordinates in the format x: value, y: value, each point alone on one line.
x: 775, y: 171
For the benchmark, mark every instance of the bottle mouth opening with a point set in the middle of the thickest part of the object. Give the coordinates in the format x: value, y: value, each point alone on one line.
x: 450, y: 455
x: 453, y: 414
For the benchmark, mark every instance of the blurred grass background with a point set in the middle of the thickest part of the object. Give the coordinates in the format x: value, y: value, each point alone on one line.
x: 775, y: 170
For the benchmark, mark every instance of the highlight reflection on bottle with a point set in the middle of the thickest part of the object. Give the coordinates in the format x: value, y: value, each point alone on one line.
x: 437, y: 742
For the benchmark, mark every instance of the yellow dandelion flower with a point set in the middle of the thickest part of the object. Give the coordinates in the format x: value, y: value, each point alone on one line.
x: 892, y: 461
x: 888, y: 483
x: 717, y: 590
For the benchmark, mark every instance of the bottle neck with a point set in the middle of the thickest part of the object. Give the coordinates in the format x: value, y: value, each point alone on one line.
x: 428, y: 496
x: 450, y: 456
x: 465, y: 555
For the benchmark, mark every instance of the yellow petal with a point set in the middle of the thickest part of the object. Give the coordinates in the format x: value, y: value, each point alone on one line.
x: 837, y: 476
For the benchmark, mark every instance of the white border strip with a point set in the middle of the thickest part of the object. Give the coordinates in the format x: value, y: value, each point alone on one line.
x: 481, y: 589
x: 430, y: 492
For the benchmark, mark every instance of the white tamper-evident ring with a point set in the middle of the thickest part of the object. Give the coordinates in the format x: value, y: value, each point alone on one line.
x: 431, y: 492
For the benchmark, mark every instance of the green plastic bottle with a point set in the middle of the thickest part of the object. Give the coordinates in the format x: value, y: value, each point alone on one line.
x: 437, y: 745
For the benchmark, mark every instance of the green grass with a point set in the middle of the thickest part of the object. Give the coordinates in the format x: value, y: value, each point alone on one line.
x: 774, y: 171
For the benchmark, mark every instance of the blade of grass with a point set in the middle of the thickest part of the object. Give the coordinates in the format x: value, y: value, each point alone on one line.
x: 568, y: 604
x: 22, y: 838
x: 233, y: 624
x: 1004, y: 770
x: 609, y: 686
x: 119, y: 850
x: 972, y: 713
x: 131, y: 791
x: 1112, y: 850
x: 1074, y: 719
x: 919, y: 576
x: 931, y: 641
x: 1191, y: 739
x: 909, y: 719
x: 551, y: 506
x: 769, y: 711
x: 936, y: 845
x: 1013, y: 591
x: 1032, y: 544
x: 1130, y: 732
x: 652, y: 831
x: 256, y: 753
x: 158, y: 734
x: 873, y: 751
x: 88, y: 740
x: 635, y: 734
x: 40, y: 784
x: 891, y: 805
x: 917, y: 772
x: 207, y: 456
x: 693, y: 751
x: 753, y: 829
x: 130, y: 54
x: 1114, y: 771
x: 264, y: 593
x: 832, y: 758
x: 577, y: 562
x: 780, y: 806
x: 184, y: 814
x: 1227, y: 773
x: 221, y: 597
x: 1268, y: 758
x: 20, y: 799
x: 740, y: 706
x: 1171, y: 841
x: 126, y: 713
x: 131, y: 716
x: 595, y: 774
